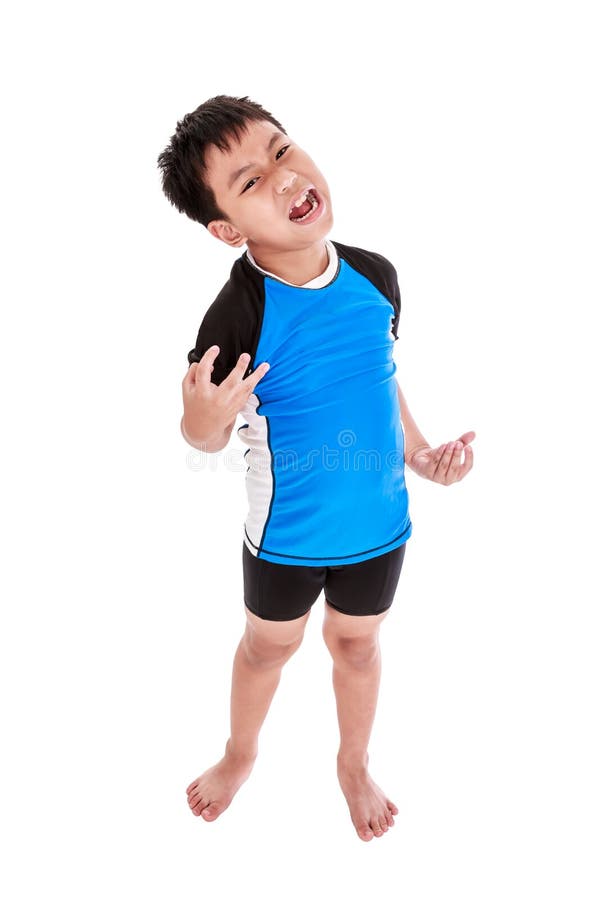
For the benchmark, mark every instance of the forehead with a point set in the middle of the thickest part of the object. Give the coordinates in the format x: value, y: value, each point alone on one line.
x: 252, y: 145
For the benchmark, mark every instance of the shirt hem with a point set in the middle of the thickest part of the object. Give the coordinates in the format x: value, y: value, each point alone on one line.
x: 315, y: 561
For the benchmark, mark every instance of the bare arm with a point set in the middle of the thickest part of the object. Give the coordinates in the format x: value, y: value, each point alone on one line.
x: 413, y: 439
x: 442, y: 464
x: 211, y: 446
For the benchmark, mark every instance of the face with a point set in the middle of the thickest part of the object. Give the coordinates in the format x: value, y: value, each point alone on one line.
x: 256, y: 184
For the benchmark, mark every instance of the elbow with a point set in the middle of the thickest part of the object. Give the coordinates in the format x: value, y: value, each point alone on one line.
x: 211, y: 445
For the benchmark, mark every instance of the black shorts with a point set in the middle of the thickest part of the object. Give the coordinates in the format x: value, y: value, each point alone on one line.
x: 280, y: 593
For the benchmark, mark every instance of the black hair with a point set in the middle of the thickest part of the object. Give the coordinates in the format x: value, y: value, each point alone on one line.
x: 216, y: 121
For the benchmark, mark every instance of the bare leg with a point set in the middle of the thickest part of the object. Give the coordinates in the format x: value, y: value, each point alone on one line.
x: 261, y: 654
x: 354, y: 645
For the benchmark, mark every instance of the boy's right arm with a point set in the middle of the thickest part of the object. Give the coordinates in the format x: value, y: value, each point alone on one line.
x: 210, y: 410
x: 208, y: 446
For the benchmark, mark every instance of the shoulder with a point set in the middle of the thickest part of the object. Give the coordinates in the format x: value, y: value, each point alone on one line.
x: 233, y: 319
x: 376, y: 267
x: 243, y: 288
x: 238, y: 305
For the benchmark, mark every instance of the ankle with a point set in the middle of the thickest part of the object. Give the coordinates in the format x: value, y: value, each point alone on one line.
x: 240, y: 755
x: 352, y: 761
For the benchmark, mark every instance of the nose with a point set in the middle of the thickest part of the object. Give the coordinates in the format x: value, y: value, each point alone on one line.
x: 287, y: 182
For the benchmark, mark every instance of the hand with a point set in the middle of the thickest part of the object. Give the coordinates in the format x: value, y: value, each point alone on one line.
x: 443, y: 464
x: 209, y: 409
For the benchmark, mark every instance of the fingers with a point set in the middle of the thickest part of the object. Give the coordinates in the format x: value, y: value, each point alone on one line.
x: 258, y: 373
x: 199, y: 372
x: 190, y: 379
x: 191, y: 373
x: 443, y: 456
x: 237, y: 373
x: 454, y: 467
x: 450, y: 468
x: 206, y: 364
x: 468, y: 463
x: 457, y: 470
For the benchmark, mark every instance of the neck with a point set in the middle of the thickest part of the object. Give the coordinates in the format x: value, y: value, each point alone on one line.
x: 295, y: 266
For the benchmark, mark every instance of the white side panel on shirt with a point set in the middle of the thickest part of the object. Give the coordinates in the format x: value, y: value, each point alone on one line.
x: 259, y: 477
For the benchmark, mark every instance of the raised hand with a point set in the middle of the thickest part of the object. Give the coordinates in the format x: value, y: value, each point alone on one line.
x: 209, y: 409
x: 443, y: 463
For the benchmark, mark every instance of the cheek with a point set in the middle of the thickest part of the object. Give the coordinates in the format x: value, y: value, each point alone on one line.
x: 261, y: 218
x: 316, y: 171
x: 307, y: 161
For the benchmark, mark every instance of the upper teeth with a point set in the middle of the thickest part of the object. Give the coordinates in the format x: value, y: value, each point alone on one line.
x: 301, y: 200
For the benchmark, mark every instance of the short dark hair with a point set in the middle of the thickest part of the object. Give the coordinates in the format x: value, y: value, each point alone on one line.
x: 216, y: 121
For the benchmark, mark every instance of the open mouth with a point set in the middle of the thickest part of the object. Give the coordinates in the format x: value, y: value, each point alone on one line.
x: 306, y: 207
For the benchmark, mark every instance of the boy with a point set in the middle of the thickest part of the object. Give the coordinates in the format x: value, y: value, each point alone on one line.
x: 299, y: 341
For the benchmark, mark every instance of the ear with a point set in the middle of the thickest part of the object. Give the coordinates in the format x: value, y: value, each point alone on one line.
x: 226, y: 232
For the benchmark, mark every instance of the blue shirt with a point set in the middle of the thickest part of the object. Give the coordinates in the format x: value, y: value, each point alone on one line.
x: 325, y: 478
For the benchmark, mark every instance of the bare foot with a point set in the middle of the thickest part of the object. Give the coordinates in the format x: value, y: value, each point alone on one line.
x: 211, y: 793
x: 370, y: 810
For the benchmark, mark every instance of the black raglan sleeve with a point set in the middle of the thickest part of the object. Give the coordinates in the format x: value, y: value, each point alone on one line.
x: 394, y: 295
x: 217, y: 328
x: 232, y: 322
x: 388, y: 284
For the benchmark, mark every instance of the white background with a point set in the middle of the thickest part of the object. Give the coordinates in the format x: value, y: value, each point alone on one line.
x: 460, y: 141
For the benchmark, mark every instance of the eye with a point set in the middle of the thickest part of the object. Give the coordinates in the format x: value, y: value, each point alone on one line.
x: 252, y: 180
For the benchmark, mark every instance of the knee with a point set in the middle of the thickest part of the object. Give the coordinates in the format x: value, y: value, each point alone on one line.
x: 262, y: 653
x: 354, y: 652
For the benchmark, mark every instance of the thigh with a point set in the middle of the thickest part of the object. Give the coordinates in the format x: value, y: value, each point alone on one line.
x: 365, y: 588
x: 278, y: 592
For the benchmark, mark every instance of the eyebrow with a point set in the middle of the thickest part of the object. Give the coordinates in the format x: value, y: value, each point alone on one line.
x: 235, y: 175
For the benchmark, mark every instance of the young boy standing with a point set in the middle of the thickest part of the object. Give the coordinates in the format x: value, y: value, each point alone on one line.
x: 300, y: 342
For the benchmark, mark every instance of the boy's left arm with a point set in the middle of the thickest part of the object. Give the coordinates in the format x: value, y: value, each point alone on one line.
x: 441, y: 464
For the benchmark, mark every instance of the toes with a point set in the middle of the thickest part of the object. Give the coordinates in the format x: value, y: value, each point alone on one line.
x: 392, y: 806
x: 364, y: 831
x: 376, y: 827
x: 193, y: 797
x: 389, y: 818
x: 211, y: 811
x: 197, y: 804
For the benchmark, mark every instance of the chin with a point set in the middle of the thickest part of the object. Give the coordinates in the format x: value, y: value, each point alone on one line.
x: 321, y: 228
